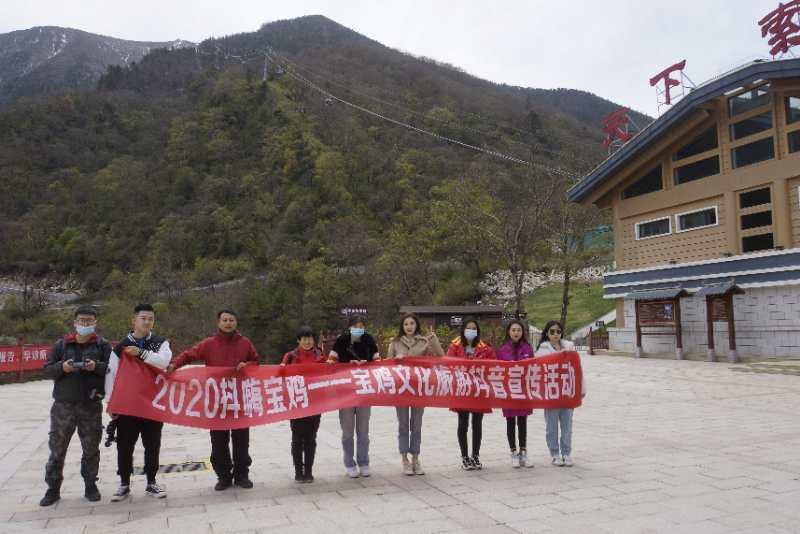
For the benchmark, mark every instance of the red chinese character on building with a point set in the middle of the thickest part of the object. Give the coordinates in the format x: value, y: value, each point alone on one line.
x: 615, y: 126
x: 778, y: 23
x: 668, y: 82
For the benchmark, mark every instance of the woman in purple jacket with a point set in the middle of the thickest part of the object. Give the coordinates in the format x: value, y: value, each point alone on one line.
x: 516, y: 347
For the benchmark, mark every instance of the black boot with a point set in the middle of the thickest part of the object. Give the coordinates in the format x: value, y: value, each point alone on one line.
x: 297, y: 458
x: 51, y: 496
x: 308, y: 465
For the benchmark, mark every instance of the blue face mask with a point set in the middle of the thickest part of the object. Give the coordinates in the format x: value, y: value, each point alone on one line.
x: 470, y: 334
x: 84, y: 330
x: 356, y: 332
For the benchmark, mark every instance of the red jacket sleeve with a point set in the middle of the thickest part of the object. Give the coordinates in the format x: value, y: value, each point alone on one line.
x: 252, y: 353
x: 286, y: 358
x: 193, y: 354
x: 488, y: 353
x: 452, y: 351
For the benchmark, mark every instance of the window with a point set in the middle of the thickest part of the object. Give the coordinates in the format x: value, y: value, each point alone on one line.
x: 646, y: 184
x: 792, y: 109
x: 692, y: 220
x: 753, y: 153
x: 653, y: 228
x: 755, y: 197
x: 757, y: 242
x: 696, y: 170
x: 748, y: 100
x: 702, y: 143
x: 751, y: 126
x: 756, y: 220
x: 794, y: 141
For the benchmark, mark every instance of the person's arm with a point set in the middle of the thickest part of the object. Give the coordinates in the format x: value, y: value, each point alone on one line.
x: 452, y: 351
x: 252, y: 354
x: 193, y: 354
x: 337, y: 350
x: 157, y: 358
x: 287, y: 358
x: 54, y: 368
x: 435, y: 346
x: 113, y: 365
x: 374, y: 352
x: 392, y: 352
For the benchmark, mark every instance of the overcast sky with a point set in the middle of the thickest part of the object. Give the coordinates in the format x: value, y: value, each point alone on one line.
x: 607, y: 47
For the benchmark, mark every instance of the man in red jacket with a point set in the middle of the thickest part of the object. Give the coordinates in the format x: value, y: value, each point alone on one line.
x: 227, y: 348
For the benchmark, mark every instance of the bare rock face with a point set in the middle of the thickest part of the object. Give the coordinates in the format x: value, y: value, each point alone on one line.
x: 49, y: 59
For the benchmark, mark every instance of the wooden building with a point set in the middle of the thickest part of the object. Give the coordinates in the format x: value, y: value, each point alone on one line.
x: 709, y: 194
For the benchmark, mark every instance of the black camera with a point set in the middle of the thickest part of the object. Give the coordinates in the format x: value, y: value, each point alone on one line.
x: 111, y: 432
x: 78, y: 365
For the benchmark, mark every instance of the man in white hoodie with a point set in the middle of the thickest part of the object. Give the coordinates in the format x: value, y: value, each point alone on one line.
x: 153, y: 350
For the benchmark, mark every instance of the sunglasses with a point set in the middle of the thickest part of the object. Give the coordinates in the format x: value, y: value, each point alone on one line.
x: 554, y: 331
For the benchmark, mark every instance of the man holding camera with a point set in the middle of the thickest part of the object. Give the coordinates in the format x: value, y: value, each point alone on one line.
x: 77, y: 364
x: 143, y: 344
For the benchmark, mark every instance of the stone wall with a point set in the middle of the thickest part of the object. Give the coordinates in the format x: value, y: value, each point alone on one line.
x: 767, y: 325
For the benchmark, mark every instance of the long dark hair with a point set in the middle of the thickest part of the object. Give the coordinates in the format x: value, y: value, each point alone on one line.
x: 401, y: 332
x: 464, y: 342
x: 547, y: 327
x: 522, y: 326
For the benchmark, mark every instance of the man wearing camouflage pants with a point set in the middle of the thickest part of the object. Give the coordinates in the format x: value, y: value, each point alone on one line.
x: 77, y: 364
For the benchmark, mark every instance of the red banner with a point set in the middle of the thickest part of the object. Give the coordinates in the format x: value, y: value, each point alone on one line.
x: 219, y: 398
x: 17, y: 358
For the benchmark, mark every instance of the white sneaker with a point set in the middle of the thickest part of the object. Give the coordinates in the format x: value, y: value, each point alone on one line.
x: 515, y: 460
x: 408, y: 469
x: 523, y: 459
x: 123, y: 492
x: 416, y: 465
x: 557, y: 461
x: 568, y: 461
x: 352, y: 472
x: 364, y: 470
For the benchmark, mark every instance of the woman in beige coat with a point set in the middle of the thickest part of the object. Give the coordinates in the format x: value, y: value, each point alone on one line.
x: 411, y: 342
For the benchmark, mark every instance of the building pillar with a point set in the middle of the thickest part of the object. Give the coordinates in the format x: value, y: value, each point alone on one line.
x: 710, y: 327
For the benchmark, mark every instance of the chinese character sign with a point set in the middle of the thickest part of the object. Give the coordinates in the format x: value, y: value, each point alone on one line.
x: 220, y: 398
x: 781, y: 24
x: 668, y: 82
x: 615, y: 126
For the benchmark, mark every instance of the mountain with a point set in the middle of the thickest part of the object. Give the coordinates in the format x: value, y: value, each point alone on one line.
x: 49, y: 59
x: 321, y: 179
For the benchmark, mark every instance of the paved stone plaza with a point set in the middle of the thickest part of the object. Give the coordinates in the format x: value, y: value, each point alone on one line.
x: 660, y: 446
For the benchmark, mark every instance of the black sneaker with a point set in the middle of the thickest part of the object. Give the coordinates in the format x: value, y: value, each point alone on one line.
x: 122, y: 493
x: 466, y: 463
x: 222, y: 485
x: 476, y: 463
x: 155, y: 491
x: 244, y: 483
x: 92, y: 494
x: 308, y: 477
x: 51, y: 496
x: 299, y: 476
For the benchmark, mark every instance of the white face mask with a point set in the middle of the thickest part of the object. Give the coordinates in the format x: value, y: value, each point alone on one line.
x: 356, y: 333
x: 470, y: 334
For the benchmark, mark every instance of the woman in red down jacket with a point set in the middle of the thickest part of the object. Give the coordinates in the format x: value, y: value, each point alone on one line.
x: 469, y: 345
x: 304, y: 429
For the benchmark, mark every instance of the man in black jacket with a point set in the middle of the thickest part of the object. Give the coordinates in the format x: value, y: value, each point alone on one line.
x: 143, y: 344
x: 77, y: 364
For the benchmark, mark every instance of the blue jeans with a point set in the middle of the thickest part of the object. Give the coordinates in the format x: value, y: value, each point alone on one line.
x: 553, y: 419
x: 355, y: 419
x: 409, y: 431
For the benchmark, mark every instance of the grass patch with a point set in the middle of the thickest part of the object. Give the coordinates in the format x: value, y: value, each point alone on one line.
x: 586, y: 303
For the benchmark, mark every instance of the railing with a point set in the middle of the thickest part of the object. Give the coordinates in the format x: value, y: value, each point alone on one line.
x: 597, y: 340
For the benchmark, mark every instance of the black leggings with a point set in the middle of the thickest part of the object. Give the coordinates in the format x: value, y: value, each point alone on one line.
x: 477, y: 432
x: 304, y: 442
x: 522, y: 424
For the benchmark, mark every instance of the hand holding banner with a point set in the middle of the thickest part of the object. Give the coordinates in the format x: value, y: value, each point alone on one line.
x: 220, y: 398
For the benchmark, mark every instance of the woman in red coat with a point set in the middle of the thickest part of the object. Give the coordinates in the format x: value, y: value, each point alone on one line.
x: 470, y: 346
x: 304, y: 429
